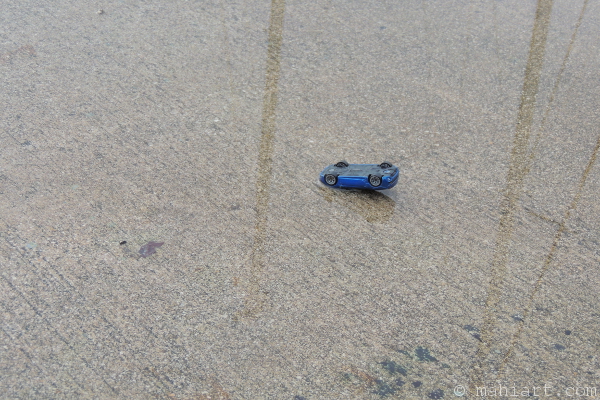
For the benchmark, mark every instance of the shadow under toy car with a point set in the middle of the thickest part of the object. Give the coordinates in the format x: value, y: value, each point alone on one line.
x: 360, y: 176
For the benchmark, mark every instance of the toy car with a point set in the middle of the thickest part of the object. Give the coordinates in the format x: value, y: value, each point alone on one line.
x: 360, y: 176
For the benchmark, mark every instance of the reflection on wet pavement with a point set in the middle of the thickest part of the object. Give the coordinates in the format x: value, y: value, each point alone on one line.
x: 375, y: 207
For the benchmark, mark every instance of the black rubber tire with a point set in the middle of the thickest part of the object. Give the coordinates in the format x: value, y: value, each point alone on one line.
x: 331, y: 180
x: 385, y: 165
x: 375, y: 180
x: 342, y: 164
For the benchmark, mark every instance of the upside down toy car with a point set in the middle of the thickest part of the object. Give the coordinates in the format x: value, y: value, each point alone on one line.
x: 360, y: 176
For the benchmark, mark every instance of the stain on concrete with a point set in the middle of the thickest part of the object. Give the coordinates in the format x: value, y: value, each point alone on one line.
x: 149, y: 248
x: 383, y: 389
x: 393, y: 368
x: 406, y: 353
x: 436, y: 394
x: 517, y: 317
x: 389, y: 377
x: 473, y: 331
x: 23, y: 51
x: 423, y: 354
x: 365, y: 382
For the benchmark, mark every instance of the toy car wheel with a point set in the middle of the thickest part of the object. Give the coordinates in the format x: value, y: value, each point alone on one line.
x: 374, y: 180
x: 385, y: 165
x: 342, y: 164
x: 330, y: 179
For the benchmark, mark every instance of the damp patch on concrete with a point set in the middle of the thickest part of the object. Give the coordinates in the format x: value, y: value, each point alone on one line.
x: 401, y: 374
x: 424, y: 355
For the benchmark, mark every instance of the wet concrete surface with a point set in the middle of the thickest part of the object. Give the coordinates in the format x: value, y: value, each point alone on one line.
x: 204, y: 126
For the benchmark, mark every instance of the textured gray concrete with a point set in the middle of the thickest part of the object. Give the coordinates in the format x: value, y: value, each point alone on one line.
x: 204, y: 125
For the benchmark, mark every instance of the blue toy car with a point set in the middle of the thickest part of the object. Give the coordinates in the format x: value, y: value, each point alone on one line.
x: 360, y: 176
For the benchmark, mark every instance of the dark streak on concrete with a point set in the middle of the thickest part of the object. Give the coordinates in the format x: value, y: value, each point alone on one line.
x: 557, y: 84
x: 254, y: 301
x: 518, y: 170
x: 552, y: 252
x: 26, y: 50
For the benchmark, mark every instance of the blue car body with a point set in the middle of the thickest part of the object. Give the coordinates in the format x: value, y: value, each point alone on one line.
x: 360, y: 176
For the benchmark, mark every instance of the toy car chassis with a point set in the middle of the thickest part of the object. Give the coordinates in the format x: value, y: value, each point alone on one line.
x: 360, y: 176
